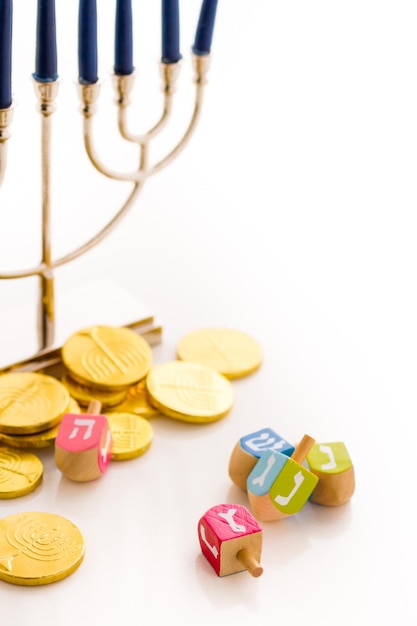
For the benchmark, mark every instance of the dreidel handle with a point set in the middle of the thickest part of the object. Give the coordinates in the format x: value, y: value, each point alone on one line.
x: 303, y: 448
x: 247, y: 559
x: 94, y: 407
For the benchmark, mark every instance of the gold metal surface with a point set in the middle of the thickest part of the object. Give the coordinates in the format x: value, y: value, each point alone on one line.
x: 83, y: 394
x: 31, y: 403
x: 20, y: 473
x: 189, y: 392
x: 6, y: 116
x: 38, y: 548
x: 132, y: 435
x: 137, y: 402
x: 107, y: 357
x: 232, y: 353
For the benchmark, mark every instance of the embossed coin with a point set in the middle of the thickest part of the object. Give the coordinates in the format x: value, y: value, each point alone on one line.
x: 230, y: 352
x: 20, y: 473
x: 43, y: 439
x: 132, y: 435
x: 31, y: 402
x: 38, y: 548
x: 189, y: 392
x: 110, y: 358
x: 137, y: 402
x: 84, y: 394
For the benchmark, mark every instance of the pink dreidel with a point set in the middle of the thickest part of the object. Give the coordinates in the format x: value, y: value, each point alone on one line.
x: 231, y: 540
x: 83, y: 444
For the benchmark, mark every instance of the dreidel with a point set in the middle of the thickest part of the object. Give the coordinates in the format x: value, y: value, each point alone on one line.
x: 279, y: 486
x: 250, y: 448
x: 231, y: 540
x: 331, y: 463
x: 83, y: 444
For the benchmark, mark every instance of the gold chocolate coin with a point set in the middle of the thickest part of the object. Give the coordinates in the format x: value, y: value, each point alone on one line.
x: 38, y: 548
x: 132, y: 435
x: 44, y: 439
x: 31, y: 402
x: 84, y: 394
x: 20, y: 473
x: 137, y: 402
x: 230, y: 352
x: 189, y: 392
x: 107, y: 357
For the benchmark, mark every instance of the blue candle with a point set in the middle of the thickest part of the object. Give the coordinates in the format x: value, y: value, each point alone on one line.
x: 170, y: 32
x: 205, y: 27
x: 46, y: 62
x: 6, y: 13
x: 123, y: 47
x: 87, y: 42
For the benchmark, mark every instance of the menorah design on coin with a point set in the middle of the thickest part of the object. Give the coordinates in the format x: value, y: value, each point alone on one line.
x: 38, y: 548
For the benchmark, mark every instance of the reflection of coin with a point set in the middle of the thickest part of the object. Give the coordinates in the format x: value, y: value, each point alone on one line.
x: 84, y: 394
x: 132, y: 435
x: 232, y: 353
x: 20, y: 473
x: 107, y: 357
x: 189, y: 392
x: 30, y: 402
x: 38, y: 548
x: 137, y: 402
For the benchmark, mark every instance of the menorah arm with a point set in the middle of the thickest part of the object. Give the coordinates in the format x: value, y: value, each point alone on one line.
x: 6, y: 116
x: 123, y: 86
x: 201, y: 67
x: 89, y: 95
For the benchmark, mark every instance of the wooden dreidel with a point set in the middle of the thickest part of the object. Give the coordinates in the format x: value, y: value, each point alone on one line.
x: 231, y: 540
x: 278, y: 485
x: 249, y: 450
x: 83, y: 444
x: 331, y: 463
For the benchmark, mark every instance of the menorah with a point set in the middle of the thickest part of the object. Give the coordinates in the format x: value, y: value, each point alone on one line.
x: 46, y: 85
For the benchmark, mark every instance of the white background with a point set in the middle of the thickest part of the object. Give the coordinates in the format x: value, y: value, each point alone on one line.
x: 290, y: 216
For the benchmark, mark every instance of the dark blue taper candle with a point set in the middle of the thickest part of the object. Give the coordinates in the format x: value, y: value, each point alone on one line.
x: 87, y: 42
x: 123, y: 43
x: 170, y: 31
x: 46, y: 61
x: 205, y: 27
x: 6, y: 14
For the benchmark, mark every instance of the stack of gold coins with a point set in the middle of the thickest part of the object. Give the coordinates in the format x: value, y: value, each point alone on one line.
x: 31, y: 409
x: 103, y: 362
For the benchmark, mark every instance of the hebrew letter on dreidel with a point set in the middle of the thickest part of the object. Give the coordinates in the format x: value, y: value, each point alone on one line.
x: 332, y: 463
x: 284, y: 500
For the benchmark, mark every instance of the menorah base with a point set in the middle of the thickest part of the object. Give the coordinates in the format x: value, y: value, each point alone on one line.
x: 100, y: 303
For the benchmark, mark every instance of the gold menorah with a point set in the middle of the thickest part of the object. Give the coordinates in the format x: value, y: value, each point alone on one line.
x: 46, y: 92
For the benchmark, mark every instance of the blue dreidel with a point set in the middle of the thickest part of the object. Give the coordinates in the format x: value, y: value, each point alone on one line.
x: 249, y: 450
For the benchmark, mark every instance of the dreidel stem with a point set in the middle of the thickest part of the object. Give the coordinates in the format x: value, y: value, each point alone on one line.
x: 303, y: 448
x: 249, y: 562
x: 94, y: 407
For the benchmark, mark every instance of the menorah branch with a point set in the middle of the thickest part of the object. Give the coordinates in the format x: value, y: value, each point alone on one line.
x: 123, y: 86
x: 89, y: 95
x: 201, y: 67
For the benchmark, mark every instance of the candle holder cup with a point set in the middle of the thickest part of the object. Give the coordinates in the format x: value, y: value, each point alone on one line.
x: 46, y: 356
